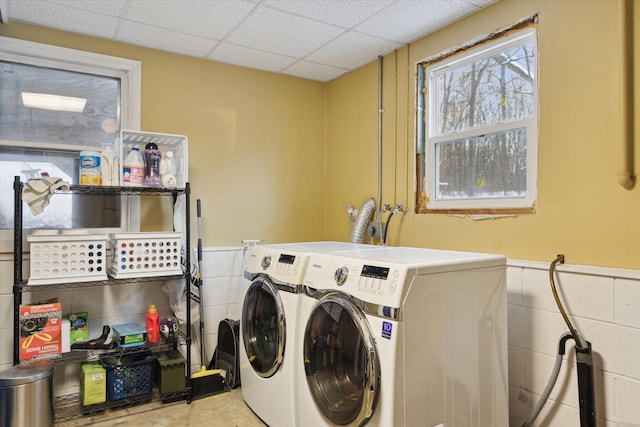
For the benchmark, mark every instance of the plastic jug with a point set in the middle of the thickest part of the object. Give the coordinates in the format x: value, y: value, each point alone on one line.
x: 153, y: 324
x: 109, y: 171
x: 133, y: 169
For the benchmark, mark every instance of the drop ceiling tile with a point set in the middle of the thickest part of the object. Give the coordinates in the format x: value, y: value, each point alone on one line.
x: 352, y: 50
x: 337, y: 12
x: 62, y: 18
x: 275, y: 31
x: 418, y: 18
x: 210, y: 18
x: 481, y: 3
x: 313, y: 71
x: 265, y: 34
x: 111, y: 7
x: 245, y: 57
x: 157, y: 38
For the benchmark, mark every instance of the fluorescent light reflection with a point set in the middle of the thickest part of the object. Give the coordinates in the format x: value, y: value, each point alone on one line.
x: 53, y: 102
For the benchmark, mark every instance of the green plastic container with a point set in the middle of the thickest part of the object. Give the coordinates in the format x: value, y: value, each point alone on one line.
x: 170, y: 372
x: 94, y: 383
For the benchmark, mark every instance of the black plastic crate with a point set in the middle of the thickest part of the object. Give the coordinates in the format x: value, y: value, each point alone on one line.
x: 129, y: 375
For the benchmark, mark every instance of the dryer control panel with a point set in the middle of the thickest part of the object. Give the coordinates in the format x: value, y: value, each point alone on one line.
x: 288, y: 263
x: 286, y: 267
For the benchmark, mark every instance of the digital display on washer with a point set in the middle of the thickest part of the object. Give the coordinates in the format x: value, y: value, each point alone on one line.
x: 375, y: 272
x: 287, y: 259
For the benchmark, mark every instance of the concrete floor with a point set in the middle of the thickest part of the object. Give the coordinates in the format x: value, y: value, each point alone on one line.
x: 223, y: 410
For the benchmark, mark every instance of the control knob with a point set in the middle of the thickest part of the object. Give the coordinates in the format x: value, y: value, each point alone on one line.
x: 340, y: 276
x: 266, y: 262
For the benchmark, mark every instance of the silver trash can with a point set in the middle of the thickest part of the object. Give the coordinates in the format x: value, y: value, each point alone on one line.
x: 26, y: 394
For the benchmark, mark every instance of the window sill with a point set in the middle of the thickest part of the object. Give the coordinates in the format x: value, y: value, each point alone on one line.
x: 489, y: 213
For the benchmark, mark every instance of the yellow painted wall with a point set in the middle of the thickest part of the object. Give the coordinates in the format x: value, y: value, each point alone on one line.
x: 581, y: 210
x: 280, y: 158
x: 256, y: 139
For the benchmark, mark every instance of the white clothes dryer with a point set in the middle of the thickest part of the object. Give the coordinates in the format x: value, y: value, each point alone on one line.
x: 404, y: 337
x: 268, y: 330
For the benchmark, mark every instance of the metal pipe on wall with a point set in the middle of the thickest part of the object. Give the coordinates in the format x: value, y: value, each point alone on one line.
x: 380, y: 113
x: 625, y: 175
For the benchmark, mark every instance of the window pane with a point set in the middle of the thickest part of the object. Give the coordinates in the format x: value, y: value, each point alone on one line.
x: 96, y: 125
x: 41, y: 140
x: 493, y: 165
x: 63, y: 211
x: 493, y: 89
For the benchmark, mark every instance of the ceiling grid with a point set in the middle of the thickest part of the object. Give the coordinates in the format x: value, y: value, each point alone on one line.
x: 312, y: 39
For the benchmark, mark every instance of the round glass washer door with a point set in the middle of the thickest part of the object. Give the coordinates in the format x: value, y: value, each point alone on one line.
x: 263, y: 327
x: 341, y: 362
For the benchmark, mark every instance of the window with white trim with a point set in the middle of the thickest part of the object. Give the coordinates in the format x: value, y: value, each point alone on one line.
x: 477, y: 127
x: 39, y: 139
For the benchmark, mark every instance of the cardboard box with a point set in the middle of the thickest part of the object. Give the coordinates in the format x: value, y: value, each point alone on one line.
x: 40, y: 330
x: 94, y: 383
x: 79, y: 330
x: 66, y: 333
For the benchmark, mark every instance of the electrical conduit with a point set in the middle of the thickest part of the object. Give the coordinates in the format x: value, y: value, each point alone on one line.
x: 380, y: 113
x: 626, y: 176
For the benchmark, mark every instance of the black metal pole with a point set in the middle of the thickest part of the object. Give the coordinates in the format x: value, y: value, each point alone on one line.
x: 187, y: 246
x: 17, y: 266
x: 586, y: 393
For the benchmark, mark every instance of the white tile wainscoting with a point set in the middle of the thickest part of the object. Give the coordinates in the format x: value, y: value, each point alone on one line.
x: 603, y: 304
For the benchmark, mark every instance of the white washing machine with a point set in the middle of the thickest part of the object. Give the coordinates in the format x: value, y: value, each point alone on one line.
x: 404, y: 337
x: 268, y: 327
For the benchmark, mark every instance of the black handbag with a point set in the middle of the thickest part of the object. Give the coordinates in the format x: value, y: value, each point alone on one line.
x: 226, y: 356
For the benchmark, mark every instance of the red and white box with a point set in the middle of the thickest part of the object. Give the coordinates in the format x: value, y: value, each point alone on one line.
x: 40, y: 331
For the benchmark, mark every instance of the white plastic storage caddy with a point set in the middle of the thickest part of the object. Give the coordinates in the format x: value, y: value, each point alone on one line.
x: 165, y: 142
x: 62, y: 258
x: 145, y: 254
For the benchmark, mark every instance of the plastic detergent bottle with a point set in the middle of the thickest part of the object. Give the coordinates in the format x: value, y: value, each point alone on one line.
x: 133, y: 169
x: 109, y: 167
x: 152, y: 156
x: 168, y: 170
x: 153, y: 324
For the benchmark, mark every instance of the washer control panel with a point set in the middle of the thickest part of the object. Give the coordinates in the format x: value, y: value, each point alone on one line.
x: 375, y: 280
x: 372, y: 279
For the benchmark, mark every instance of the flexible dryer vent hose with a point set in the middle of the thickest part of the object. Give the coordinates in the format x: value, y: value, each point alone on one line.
x: 365, y: 214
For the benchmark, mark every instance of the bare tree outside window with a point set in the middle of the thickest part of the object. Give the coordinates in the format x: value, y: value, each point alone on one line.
x: 481, y: 126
